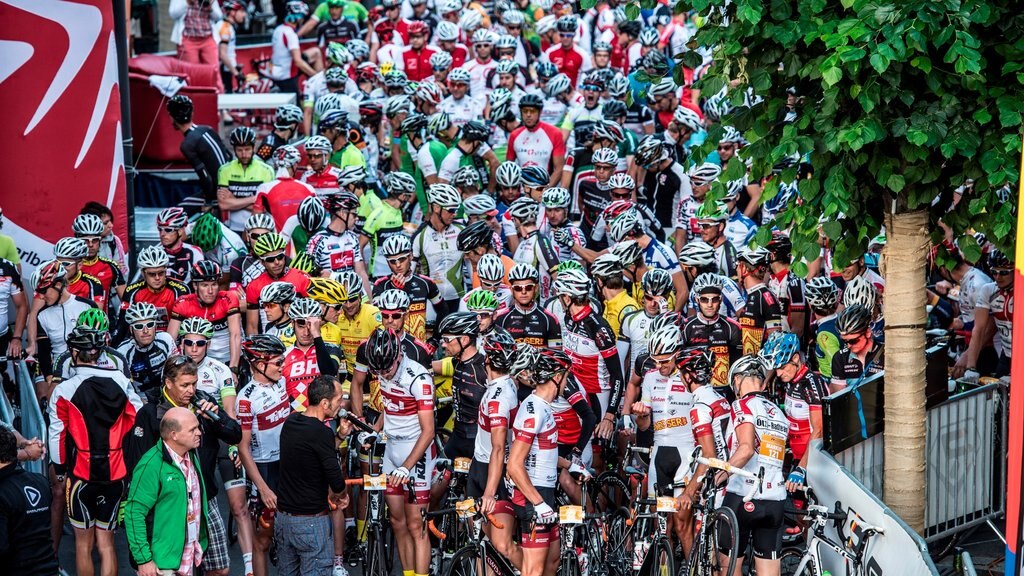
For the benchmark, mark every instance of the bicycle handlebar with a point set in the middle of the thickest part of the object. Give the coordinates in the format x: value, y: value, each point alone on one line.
x: 719, y: 464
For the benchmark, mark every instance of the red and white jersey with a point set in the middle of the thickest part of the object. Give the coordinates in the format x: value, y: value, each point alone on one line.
x: 670, y: 402
x: 536, y: 147
x: 416, y: 63
x: 263, y: 408
x: 323, y: 182
x: 463, y: 110
x: 333, y: 251
x: 999, y: 304
x: 299, y: 370
x: 497, y: 410
x: 771, y: 431
x: 409, y: 392
x: 535, y: 425
x: 571, y: 62
x: 711, y: 415
x: 478, y: 73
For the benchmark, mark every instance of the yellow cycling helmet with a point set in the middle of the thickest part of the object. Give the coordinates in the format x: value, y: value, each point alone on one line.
x: 327, y: 291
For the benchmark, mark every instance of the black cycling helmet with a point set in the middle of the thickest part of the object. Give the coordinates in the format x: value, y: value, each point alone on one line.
x: 630, y: 28
x: 531, y: 101
x: 475, y: 131
x: 475, y: 235
x: 414, y: 124
x: 500, y: 348
x: 206, y: 271
x: 998, y: 259
x: 656, y: 61
x: 243, y: 136
x: 180, y: 108
x: 853, y: 319
x: 613, y: 109
x: 82, y: 338
x: 383, y: 347
x: 780, y: 247
x: 262, y: 347
x: 459, y: 324
x: 698, y: 361
x: 550, y: 364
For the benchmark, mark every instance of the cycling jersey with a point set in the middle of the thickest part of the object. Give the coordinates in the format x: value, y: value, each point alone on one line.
x: 429, y: 158
x: 580, y: 116
x: 302, y: 366
x: 633, y: 336
x: 263, y: 408
x: 182, y: 259
x: 803, y: 396
x: 711, y: 415
x: 463, y: 110
x: 469, y: 383
x: 970, y: 286
x: 103, y: 269
x: 323, y: 182
x: 244, y: 269
x: 638, y: 118
x: 162, y: 299
x: 341, y: 30
x: 435, y: 253
x: 553, y: 112
x: 478, y: 74
x: 109, y: 359
x: 283, y: 329
x: 410, y: 392
x: 669, y: 401
x: 567, y: 409
x: 205, y: 151
x: 54, y: 323
x: 456, y: 158
x: 503, y: 294
x: 722, y: 337
x: 617, y: 308
x: 535, y: 425
x: 537, y: 251
x: 999, y: 304
x: 739, y: 230
x: 414, y: 349
x: 421, y: 290
x: 664, y: 191
x: 354, y: 331
x: 384, y: 222
x: 497, y: 410
x: 658, y: 255
x: 90, y: 415
x: 335, y: 251
x: 771, y: 430
x: 849, y: 370
x: 281, y: 198
x: 215, y: 378
x: 589, y: 341
x: 295, y: 277
x: 570, y: 60
x: 242, y: 182
x: 535, y: 147
x: 228, y: 249
x: 594, y: 197
x: 224, y: 306
x: 416, y: 63
x: 534, y: 326
x: 733, y: 299
x: 350, y: 155
x: 824, y: 345
x: 761, y: 315
x: 788, y: 288
x: 88, y: 288
x: 146, y: 365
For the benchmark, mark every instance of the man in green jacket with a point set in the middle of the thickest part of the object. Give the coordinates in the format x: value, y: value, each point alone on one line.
x: 167, y: 492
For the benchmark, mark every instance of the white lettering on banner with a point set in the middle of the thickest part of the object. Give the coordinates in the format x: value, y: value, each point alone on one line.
x: 899, y: 551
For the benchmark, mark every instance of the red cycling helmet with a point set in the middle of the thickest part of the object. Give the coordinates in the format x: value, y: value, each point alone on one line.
x: 418, y: 28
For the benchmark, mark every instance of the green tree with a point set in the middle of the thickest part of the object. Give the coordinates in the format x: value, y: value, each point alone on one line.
x: 900, y: 103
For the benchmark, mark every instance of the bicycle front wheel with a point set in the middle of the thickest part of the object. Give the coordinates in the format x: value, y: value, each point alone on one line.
x: 465, y: 562
x: 723, y: 535
x: 660, y: 560
x: 791, y: 558
x: 568, y: 565
x: 377, y: 560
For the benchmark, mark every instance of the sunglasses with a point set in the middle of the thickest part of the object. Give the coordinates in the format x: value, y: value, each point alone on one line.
x: 668, y: 360
x: 279, y: 362
x: 855, y: 338
x: 392, y: 316
x: 490, y: 285
x: 398, y: 259
x: 440, y: 68
x: 709, y: 299
x: 447, y: 339
x: 521, y: 288
x: 269, y: 305
x: 484, y: 314
x: 725, y: 147
x: 156, y: 274
x: 622, y: 196
x: 1001, y: 272
x: 334, y: 307
x: 144, y: 325
x: 591, y: 87
x: 277, y: 258
x: 452, y: 211
x: 566, y: 34
x: 706, y: 225
x: 167, y: 230
x: 197, y: 343
x: 68, y: 262
x: 43, y: 289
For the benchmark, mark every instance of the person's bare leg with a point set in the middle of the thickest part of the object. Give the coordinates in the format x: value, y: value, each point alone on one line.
x: 108, y: 554
x: 84, y: 539
x: 239, y: 504
x: 766, y: 567
x: 406, y: 549
x: 503, y: 539
x: 58, y: 491
x: 554, y: 550
x: 420, y: 538
x: 260, y: 547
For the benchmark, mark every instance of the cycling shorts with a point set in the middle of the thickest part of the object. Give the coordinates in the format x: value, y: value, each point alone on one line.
x: 758, y: 520
x: 536, y: 536
x: 231, y: 477
x: 271, y: 474
x: 477, y: 483
x: 420, y: 474
x: 459, y: 445
x: 668, y: 467
x: 94, y: 504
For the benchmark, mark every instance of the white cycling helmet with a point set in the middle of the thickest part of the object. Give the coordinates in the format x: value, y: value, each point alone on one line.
x: 471, y: 20
x: 278, y: 293
x: 624, y: 224
x: 708, y: 282
x: 139, y: 312
x: 860, y: 291
x: 699, y: 254
x: 460, y: 75
x: 447, y: 7
x: 556, y: 197
x: 444, y: 195
x: 484, y: 36
x: 154, y: 257
x: 440, y: 61
x: 523, y: 273
x: 605, y: 156
x: 545, y: 24
x: 705, y: 173
x: 392, y: 299
x: 666, y: 340
x: 87, y: 225
x: 688, y: 118
x: 622, y: 180
x: 525, y: 209
x: 560, y: 83
x: 398, y: 183
x: 664, y: 87
x: 70, y: 248
x: 396, y: 105
x: 479, y: 205
x: 261, y: 221
x: 509, y: 174
x: 572, y: 283
x: 447, y: 31
x: 490, y: 268
x: 396, y: 245
x: 301, y: 308
x: 320, y: 143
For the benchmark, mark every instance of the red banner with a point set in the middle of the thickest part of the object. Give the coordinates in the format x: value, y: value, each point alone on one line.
x: 61, y: 125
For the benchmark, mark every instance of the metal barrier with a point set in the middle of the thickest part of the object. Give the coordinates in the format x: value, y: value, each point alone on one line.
x: 965, y: 448
x: 32, y: 423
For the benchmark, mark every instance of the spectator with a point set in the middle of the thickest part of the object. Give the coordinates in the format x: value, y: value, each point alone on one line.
x: 181, y: 375
x: 286, y: 54
x: 234, y: 16
x: 26, y: 547
x: 193, y: 31
x: 167, y: 492
x: 309, y: 466
x: 110, y: 244
x: 201, y: 146
x: 7, y: 249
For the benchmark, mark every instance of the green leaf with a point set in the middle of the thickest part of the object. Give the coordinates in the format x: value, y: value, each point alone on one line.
x: 922, y: 63
x: 832, y: 228
x: 832, y: 76
x: 851, y: 54
x: 587, y: 4
x: 632, y: 11
x: 895, y: 183
x: 648, y: 4
x: 847, y: 3
x: 982, y: 116
x: 879, y: 62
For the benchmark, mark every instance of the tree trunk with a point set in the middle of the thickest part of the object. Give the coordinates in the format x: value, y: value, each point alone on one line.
x: 903, y: 264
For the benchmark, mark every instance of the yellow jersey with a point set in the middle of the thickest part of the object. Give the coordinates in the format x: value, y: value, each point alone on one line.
x: 354, y: 331
x: 617, y: 308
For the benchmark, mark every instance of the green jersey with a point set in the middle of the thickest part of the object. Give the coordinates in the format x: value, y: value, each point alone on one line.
x: 353, y: 11
x: 385, y: 221
x: 350, y: 155
x: 242, y: 182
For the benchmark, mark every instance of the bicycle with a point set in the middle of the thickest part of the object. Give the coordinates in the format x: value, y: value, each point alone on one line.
x: 801, y: 562
x: 582, y: 535
x: 457, y: 472
x: 479, y: 552
x: 378, y: 560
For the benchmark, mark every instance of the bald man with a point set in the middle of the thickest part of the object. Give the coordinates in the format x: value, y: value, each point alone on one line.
x: 168, y: 483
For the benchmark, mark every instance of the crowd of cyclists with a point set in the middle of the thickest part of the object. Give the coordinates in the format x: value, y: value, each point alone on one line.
x: 486, y: 221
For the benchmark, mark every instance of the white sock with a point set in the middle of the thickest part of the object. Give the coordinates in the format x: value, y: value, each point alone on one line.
x: 247, y: 560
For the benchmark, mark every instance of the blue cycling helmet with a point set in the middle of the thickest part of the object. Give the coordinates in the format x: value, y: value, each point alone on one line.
x: 778, y: 350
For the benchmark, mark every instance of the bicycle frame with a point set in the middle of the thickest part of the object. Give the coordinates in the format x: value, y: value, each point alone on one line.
x: 819, y: 517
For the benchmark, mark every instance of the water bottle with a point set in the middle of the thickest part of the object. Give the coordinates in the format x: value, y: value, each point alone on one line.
x: 639, y: 553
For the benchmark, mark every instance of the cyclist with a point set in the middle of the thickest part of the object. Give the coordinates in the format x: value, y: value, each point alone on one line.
x: 336, y: 248
x: 526, y: 321
x: 308, y: 220
x: 610, y: 284
x: 262, y: 406
x: 665, y: 404
x: 270, y: 248
x: 537, y: 143
x: 215, y: 377
x: 90, y: 228
x: 711, y: 224
x: 534, y: 250
x: 589, y: 341
x: 220, y: 307
x: 218, y: 243
x: 861, y: 355
x: 465, y: 363
x: 532, y: 465
x: 859, y: 291
x: 710, y: 416
x: 387, y: 221
x: 201, y: 145
x: 823, y: 300
x: 476, y: 241
x: 171, y: 224
x: 633, y: 330
x: 245, y: 268
x: 407, y: 390
x: 154, y: 287
x: 758, y: 442
x: 109, y: 358
x: 698, y: 258
x: 786, y: 285
x: 147, y: 350
x: 434, y: 246
x: 321, y: 175
x: 275, y: 298
x: 719, y: 334
x: 238, y: 180
x: 557, y: 225
x: 993, y: 314
x: 468, y: 150
x: 482, y: 64
x: 665, y: 184
x: 762, y: 313
x: 459, y: 105
x: 491, y: 274
x: 358, y: 319
x: 286, y: 125
x: 281, y: 196
x: 55, y: 320
x: 487, y: 471
x: 97, y: 403
x: 739, y: 229
x: 397, y: 250
x: 509, y: 178
x: 653, y: 254
x: 70, y: 252
x: 803, y: 391
x: 309, y: 356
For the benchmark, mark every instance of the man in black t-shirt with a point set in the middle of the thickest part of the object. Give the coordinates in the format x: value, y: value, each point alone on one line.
x: 25, y: 543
